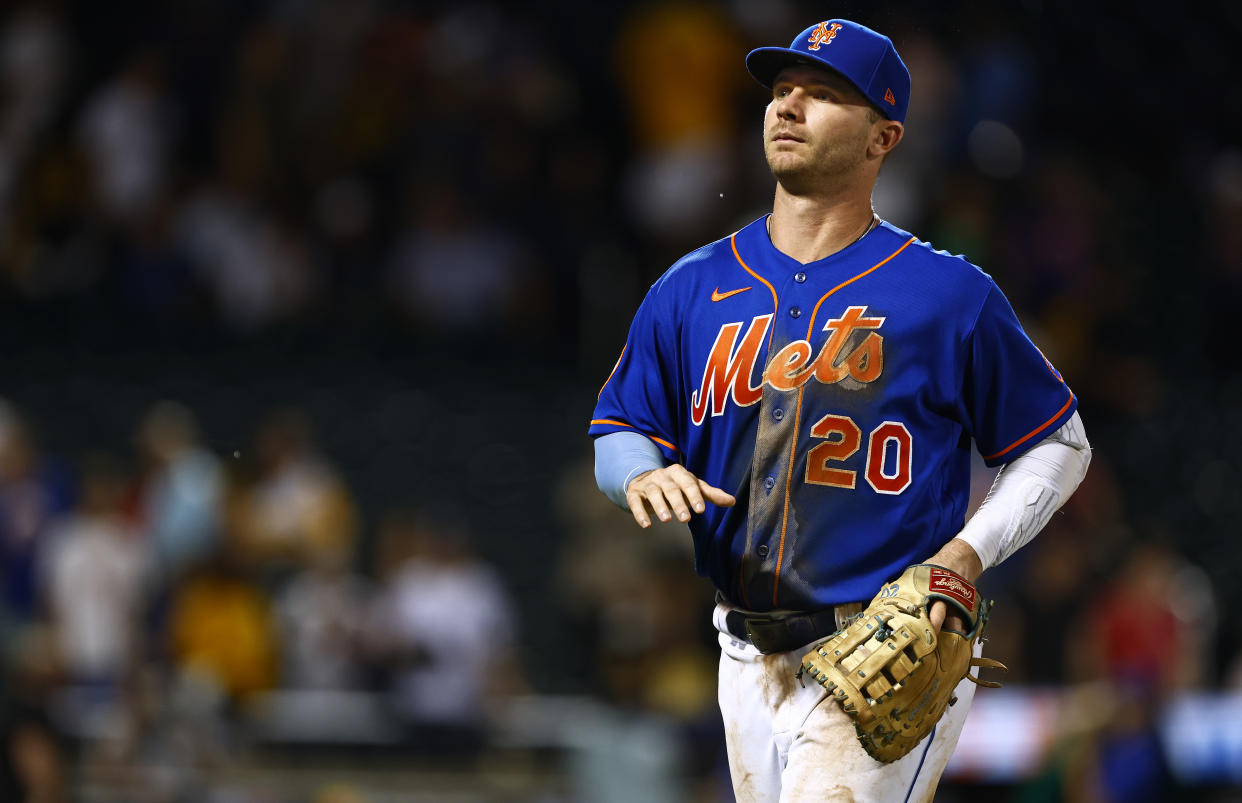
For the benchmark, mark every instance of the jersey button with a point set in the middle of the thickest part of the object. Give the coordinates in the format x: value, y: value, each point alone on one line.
x: 762, y: 550
x: 794, y: 312
x: 769, y: 483
x: 799, y: 277
x: 778, y: 414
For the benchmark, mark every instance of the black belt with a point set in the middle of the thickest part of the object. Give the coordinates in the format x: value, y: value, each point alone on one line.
x: 785, y: 631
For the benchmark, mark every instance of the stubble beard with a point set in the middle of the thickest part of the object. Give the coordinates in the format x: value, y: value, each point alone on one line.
x: 813, y: 171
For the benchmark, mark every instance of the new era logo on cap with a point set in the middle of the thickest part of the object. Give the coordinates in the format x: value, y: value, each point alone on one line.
x: 888, y: 96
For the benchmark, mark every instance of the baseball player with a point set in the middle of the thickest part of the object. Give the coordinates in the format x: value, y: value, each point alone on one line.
x: 804, y: 394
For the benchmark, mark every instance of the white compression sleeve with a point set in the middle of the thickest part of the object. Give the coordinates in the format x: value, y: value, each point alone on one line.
x: 1027, y: 492
x: 621, y: 456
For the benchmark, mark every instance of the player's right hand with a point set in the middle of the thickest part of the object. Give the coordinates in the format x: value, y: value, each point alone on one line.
x: 671, y: 491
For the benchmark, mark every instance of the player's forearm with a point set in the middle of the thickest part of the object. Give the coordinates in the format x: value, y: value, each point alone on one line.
x: 1027, y: 492
x: 619, y: 458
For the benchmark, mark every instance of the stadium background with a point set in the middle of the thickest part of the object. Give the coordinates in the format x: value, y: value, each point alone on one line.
x: 304, y: 306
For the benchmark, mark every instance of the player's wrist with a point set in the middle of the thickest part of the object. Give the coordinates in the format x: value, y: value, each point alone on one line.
x: 959, y: 557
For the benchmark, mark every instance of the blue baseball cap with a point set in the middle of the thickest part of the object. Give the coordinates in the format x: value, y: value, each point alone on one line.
x: 865, y: 58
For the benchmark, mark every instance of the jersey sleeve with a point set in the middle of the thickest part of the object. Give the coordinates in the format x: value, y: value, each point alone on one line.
x: 641, y: 393
x: 1014, y: 397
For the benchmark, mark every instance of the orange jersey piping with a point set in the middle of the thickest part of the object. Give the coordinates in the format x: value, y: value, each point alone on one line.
x: 811, y: 324
x: 775, y: 302
x: 741, y: 580
x: 617, y: 423
x: 1033, y: 432
x: 612, y: 372
x: 793, y: 446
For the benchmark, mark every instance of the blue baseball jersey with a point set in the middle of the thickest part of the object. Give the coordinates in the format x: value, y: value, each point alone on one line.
x: 835, y: 400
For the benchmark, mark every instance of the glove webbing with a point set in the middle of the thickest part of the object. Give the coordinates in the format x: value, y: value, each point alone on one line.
x: 877, y: 672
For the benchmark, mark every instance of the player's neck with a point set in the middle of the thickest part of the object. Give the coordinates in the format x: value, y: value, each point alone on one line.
x: 811, y: 228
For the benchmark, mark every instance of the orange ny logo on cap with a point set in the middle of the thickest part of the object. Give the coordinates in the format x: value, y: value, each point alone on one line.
x: 823, y: 34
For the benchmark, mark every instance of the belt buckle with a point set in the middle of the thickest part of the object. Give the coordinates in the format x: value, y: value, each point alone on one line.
x: 757, y: 636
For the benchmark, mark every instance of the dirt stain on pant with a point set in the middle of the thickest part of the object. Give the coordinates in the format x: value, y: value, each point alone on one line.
x: 778, y: 682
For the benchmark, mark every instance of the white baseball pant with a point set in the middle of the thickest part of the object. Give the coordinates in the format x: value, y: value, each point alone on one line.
x: 790, y: 742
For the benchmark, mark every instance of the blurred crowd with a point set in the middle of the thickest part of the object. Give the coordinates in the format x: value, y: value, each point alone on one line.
x: 480, y: 187
x: 152, y: 600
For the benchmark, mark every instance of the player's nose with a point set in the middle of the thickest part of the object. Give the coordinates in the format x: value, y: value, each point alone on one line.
x: 788, y: 106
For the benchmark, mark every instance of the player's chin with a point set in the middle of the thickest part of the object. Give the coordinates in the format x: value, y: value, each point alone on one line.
x: 787, y: 166
x: 780, y: 154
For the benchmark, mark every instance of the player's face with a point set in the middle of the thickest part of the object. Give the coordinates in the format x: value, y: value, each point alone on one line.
x: 816, y: 130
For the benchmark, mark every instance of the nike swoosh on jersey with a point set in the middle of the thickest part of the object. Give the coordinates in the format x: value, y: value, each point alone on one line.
x: 719, y: 296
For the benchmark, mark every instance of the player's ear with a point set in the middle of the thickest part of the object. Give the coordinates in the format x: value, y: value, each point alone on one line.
x: 885, y: 135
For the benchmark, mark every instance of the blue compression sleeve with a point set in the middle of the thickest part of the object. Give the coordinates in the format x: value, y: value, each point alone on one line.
x: 619, y: 457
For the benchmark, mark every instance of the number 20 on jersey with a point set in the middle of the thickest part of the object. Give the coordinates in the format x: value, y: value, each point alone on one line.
x: 886, y: 465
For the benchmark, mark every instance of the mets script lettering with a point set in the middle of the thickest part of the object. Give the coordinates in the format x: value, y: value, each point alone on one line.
x: 729, y: 367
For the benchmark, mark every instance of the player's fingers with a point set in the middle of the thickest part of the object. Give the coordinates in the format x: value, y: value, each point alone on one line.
x: 654, y: 496
x: 936, y: 613
x: 716, y: 496
x: 636, y: 498
x: 648, y: 496
x: 637, y: 508
x: 688, y: 486
x: 650, y: 491
x: 672, y: 491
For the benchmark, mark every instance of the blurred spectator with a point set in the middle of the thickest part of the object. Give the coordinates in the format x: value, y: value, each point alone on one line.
x: 221, y: 630
x: 33, y: 760
x: 34, y: 62
x: 156, y: 277
x: 126, y: 133
x: 444, y: 630
x: 182, y: 491
x: 252, y: 259
x: 255, y: 267
x: 32, y: 492
x: 455, y: 271
x: 1149, y: 629
x: 299, y: 502
x: 678, y: 66
x: 1131, y: 766
x: 97, y: 576
x: 52, y: 246
x: 322, y: 616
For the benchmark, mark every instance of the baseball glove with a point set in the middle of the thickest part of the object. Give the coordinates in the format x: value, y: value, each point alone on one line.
x: 890, y: 671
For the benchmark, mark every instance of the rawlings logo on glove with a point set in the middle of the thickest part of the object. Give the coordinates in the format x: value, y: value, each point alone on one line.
x: 889, y: 669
